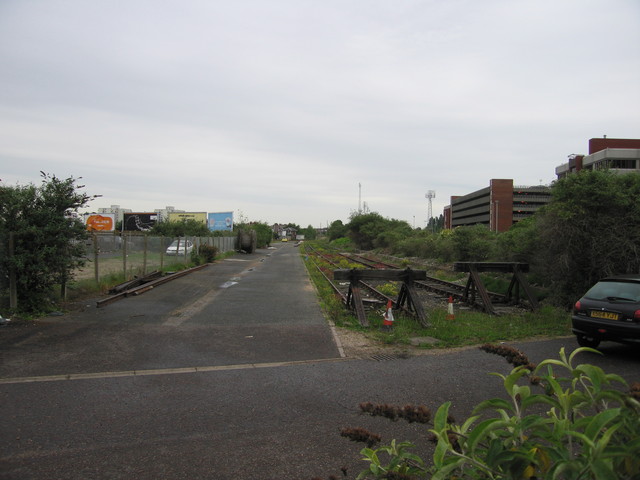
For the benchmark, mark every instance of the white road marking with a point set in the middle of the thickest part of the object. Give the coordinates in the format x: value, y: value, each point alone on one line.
x: 160, y: 371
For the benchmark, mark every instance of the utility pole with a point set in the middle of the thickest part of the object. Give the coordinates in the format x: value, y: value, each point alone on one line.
x: 430, y: 195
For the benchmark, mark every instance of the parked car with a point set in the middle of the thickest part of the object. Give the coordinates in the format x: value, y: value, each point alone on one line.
x: 610, y: 310
x: 177, y: 247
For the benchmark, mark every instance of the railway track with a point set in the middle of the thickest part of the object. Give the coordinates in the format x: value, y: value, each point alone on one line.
x: 372, y: 297
x: 437, y: 291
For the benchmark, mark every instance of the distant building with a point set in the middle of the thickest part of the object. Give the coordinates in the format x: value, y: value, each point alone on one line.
x: 163, y: 213
x: 116, y: 210
x: 620, y: 155
x: 497, y: 206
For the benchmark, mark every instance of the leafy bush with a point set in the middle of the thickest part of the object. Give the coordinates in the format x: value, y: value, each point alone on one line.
x: 589, y: 230
x: 207, y: 253
x: 336, y: 230
x: 181, y: 228
x: 264, y: 233
x: 342, y: 243
x: 373, y: 230
x: 48, y: 236
x: 579, y: 427
x: 473, y: 243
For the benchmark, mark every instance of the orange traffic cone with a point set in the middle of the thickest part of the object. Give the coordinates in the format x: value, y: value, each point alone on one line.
x: 387, y: 323
x: 450, y: 315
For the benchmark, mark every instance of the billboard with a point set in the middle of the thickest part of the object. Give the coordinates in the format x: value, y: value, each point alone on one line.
x: 139, y: 222
x: 179, y: 216
x: 221, y: 221
x: 103, y: 222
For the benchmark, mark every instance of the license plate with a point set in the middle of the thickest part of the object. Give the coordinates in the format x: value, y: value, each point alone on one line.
x: 607, y: 315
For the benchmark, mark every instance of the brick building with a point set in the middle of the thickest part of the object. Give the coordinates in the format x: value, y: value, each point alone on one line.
x: 497, y: 206
x: 621, y: 155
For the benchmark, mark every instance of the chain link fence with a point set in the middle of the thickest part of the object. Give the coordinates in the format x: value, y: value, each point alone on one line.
x: 134, y: 254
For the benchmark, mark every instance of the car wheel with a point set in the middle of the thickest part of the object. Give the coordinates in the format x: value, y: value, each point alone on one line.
x: 585, y: 341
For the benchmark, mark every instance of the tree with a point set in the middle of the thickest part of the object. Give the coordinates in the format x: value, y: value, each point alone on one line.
x: 472, y: 243
x: 520, y: 242
x: 309, y: 233
x: 590, y: 229
x: 182, y: 228
x: 49, y: 237
x: 436, y: 224
x: 263, y: 231
x: 336, y: 230
x: 372, y: 230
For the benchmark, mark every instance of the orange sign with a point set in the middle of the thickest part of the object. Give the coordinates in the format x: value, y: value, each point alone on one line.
x: 101, y: 223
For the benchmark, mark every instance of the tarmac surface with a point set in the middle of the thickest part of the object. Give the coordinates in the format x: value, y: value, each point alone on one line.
x: 231, y: 372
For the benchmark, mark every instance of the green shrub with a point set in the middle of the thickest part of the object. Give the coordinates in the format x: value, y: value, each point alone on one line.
x: 207, y: 253
x: 579, y: 427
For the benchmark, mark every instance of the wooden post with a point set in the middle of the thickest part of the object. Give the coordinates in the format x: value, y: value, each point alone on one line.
x: 13, y: 287
x: 407, y: 293
x: 144, y: 255
x: 474, y: 282
x: 162, y: 249
x: 96, y: 270
x: 124, y: 256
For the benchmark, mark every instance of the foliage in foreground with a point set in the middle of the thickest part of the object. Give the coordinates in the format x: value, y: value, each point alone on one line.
x: 579, y: 427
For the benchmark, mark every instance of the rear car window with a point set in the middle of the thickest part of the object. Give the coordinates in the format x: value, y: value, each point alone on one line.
x: 620, y: 291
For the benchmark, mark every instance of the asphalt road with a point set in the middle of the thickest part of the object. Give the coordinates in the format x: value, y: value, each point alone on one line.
x: 228, y: 373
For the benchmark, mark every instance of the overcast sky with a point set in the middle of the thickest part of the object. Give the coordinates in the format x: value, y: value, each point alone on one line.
x: 277, y: 110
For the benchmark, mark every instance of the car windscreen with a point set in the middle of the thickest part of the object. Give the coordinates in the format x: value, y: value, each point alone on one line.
x: 615, y: 291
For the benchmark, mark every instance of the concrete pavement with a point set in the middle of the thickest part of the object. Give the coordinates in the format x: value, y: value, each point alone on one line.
x: 257, y: 308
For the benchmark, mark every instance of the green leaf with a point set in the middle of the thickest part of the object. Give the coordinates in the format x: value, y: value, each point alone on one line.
x: 443, y: 472
x: 464, y: 428
x: 602, y: 444
x: 370, y: 455
x: 478, y: 434
x: 599, y: 421
x: 560, y: 468
x: 440, y: 419
x: 511, y: 379
x: 602, y: 469
x: 535, y: 399
x: 581, y: 350
x: 495, y: 447
x: 495, y: 404
x: 441, y: 449
x: 595, y: 374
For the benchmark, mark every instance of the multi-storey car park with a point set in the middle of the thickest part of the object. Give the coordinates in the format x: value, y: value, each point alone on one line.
x: 501, y: 204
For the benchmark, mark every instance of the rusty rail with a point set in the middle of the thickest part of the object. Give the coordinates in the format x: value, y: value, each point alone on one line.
x: 147, y: 286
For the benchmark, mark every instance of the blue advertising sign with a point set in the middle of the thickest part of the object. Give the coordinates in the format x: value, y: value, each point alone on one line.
x: 220, y: 221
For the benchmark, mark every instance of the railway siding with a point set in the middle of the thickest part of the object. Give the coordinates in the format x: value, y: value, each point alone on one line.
x: 365, y: 293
